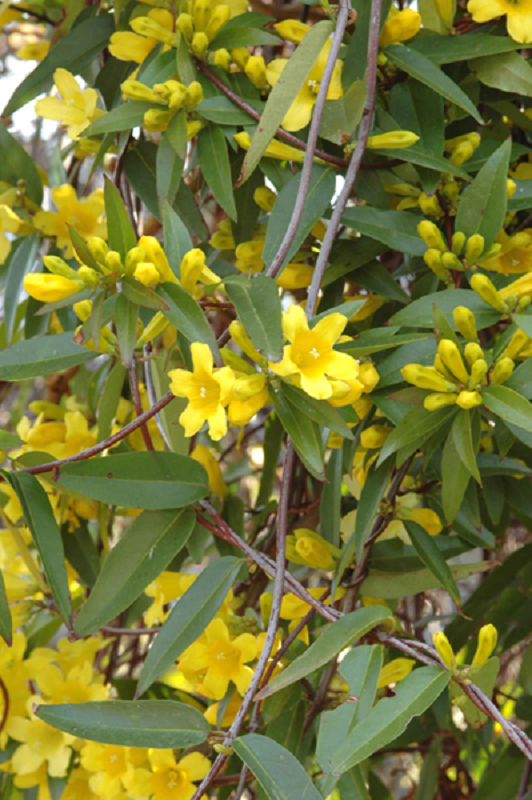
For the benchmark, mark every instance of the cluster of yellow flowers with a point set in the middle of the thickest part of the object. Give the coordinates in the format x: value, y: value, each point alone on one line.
x: 172, y: 94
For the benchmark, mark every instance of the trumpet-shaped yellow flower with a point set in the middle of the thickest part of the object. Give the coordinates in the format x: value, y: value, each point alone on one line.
x: 129, y: 46
x: 221, y: 659
x: 400, y: 26
x: 518, y: 16
x: 205, y: 457
x: 487, y: 642
x: 49, y: 288
x: 249, y: 395
x: 300, y: 112
x: 169, y: 779
x: 9, y: 223
x: 12, y: 674
x: 208, y: 392
x: 515, y: 255
x: 169, y: 586
x: 310, y: 355
x: 112, y: 767
x: 279, y: 150
x: 310, y: 549
x: 76, y: 110
x: 394, y: 671
x: 40, y: 744
x: 86, y: 216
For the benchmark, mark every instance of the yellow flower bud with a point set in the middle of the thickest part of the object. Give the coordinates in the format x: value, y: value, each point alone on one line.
x: 393, y: 140
x: 145, y: 26
x: 431, y: 235
x: 451, y: 190
x: 147, y: 274
x: 429, y: 205
x: 113, y: 262
x: 295, y: 276
x: 250, y: 251
x: 394, y: 671
x: 426, y: 378
x: 205, y: 457
x: 313, y: 553
x: 200, y: 44
x: 474, y: 248
x: 240, y: 56
x: 472, y: 352
x: 464, y: 319
x: 222, y: 58
x: 467, y: 400
x: 256, y: 71
x: 374, y: 436
x: 450, y: 261
x: 368, y: 377
x: 265, y: 602
x: 240, y: 337
x: 511, y: 188
x: 458, y: 242
x: 88, y: 275
x: 193, y: 95
x: 177, y: 98
x: 191, y: 268
x: 451, y: 357
x: 502, y: 371
x: 516, y: 344
x: 51, y: 288
x: 400, y: 27
x: 487, y: 642
x: 133, y: 258
x: 445, y: 11
x: 264, y: 198
x: 362, y: 406
x: 524, y: 303
x: 433, y: 260
x: 83, y: 309
x: 98, y: 249
x: 136, y: 90
x: 445, y: 651
x: 292, y: 30
x: 201, y: 11
x: 155, y: 120
x: 479, y: 371
x: 155, y: 254
x: 482, y: 285
x: 219, y: 17
x: 433, y: 402
x: 462, y: 153
x: 57, y: 266
x: 157, y: 325
x: 185, y: 24
x: 425, y: 517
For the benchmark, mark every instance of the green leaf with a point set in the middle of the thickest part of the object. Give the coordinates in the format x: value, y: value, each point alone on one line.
x: 334, y: 639
x: 390, y: 716
x: 303, y: 431
x: 223, y: 111
x: 243, y: 36
x: 462, y: 433
x: 189, y: 618
x: 40, y: 356
x: 169, y: 168
x: 321, y: 190
x: 485, y: 677
x: 121, y: 235
x: 75, y: 52
x: 185, y: 313
x: 122, y: 118
x: 397, y: 229
x: 509, y: 405
x: 341, y: 117
x: 140, y: 169
x: 331, y: 499
x: 455, y: 480
x: 177, y: 241
x: 80, y: 246
x: 126, y: 315
x: 169, y: 415
x: 143, y: 552
x: 81, y: 553
x: 428, y: 73
x: 6, y: 624
x: 522, y: 197
x: 142, y: 295
x: 110, y: 399
x: 21, y: 261
x: 392, y: 585
x: 214, y: 164
x: 279, y: 773
x: 16, y: 164
x: 450, y: 49
x: 319, y: 411
x: 508, y: 73
x: 40, y: 520
x: 150, y: 479
x: 8, y: 440
x: 419, y: 314
x: 414, y: 430
x: 378, y: 340
x: 148, y: 723
x: 284, y: 93
x: 259, y: 309
x: 521, y: 378
x: 432, y: 558
x: 482, y: 207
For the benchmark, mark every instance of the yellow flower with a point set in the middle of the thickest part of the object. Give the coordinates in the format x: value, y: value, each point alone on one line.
x: 400, y: 26
x: 279, y: 150
x: 295, y: 276
x: 84, y: 215
x: 146, y: 273
x: 392, y: 140
x: 169, y: 586
x: 445, y: 651
x: 249, y: 395
x: 223, y: 661
x: 9, y: 223
x: 41, y: 744
x: 395, y: 671
x: 194, y: 271
x: 155, y: 255
x: 487, y: 642
x: 425, y: 517
x: 230, y: 712
x: 515, y: 255
x: 169, y: 779
x: 292, y: 607
x: 129, y: 46
x: 208, y: 392
x: 78, y: 787
x: 310, y: 549
x: 12, y: 674
x: 205, y: 457
x: 375, y: 436
x: 111, y: 766
x: 518, y: 15
x: 292, y: 30
x: 49, y: 288
x: 33, y: 51
x: 310, y: 355
x: 300, y: 112
x: 76, y: 110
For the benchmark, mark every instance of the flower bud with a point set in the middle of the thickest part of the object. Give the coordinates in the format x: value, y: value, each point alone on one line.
x: 511, y: 188
x: 177, y: 98
x: 155, y: 120
x: 264, y: 198
x: 240, y: 56
x: 394, y: 671
x: 368, y: 377
x: 516, y: 344
x: 98, y: 249
x: 205, y: 457
x: 487, y: 642
x: 193, y: 95
x: 467, y: 400
x: 450, y: 261
x: 426, y: 378
x: 219, y: 17
x: 292, y: 30
x: 147, y: 274
x: 83, y: 309
x: 51, y: 288
x: 113, y: 262
x: 433, y: 402
x: 474, y: 248
x: 451, y: 357
x: 462, y: 153
x: 482, y: 285
x: 222, y: 58
x: 451, y: 190
x: 431, y: 235
x: 464, y: 319
x: 134, y: 257
x: 472, y: 352
x: 145, y: 26
x: 191, y: 268
x: 256, y: 71
x: 57, y: 266
x: 88, y: 275
x: 200, y: 44
x: 155, y: 326
x: 478, y: 373
x: 240, y: 337
x: 502, y: 370
x: 426, y: 517
x: 295, y: 276
x: 429, y: 205
x: 265, y: 602
x: 402, y: 26
x: 524, y: 303
x: 136, y: 90
x: 392, y: 140
x: 445, y: 11
x: 433, y: 260
x: 313, y: 553
x: 374, y: 436
x: 185, y: 24
x: 458, y: 242
x: 155, y: 254
x: 445, y: 651
x: 201, y: 11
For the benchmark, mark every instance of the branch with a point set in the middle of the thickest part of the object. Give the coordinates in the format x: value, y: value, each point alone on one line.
x: 31, y: 13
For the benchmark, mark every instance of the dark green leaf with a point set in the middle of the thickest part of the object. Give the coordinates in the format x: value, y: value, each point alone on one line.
x: 222, y: 111
x: 259, y: 309
x: 140, y: 169
x: 121, y: 235
x: 142, y: 295
x: 319, y: 411
x: 214, y: 164
x: 305, y: 433
x: 462, y: 433
x: 414, y: 431
x: 169, y: 169
x: 508, y: 72
x: 392, y: 585
x: 40, y: 356
x: 126, y: 315
x: 331, y: 498
x: 432, y: 558
x: 185, y: 313
x: 16, y: 164
x: 509, y: 405
x: 122, y: 118
x: 21, y: 262
x: 397, y: 229
x: 341, y: 117
x: 455, y: 479
x: 419, y: 314
x: 449, y: 49
x: 279, y: 773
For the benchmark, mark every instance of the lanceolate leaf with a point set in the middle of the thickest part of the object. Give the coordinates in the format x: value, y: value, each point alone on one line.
x: 126, y: 315
x: 214, y: 162
x: 144, y: 551
x: 40, y: 356
x: 161, y: 723
x: 121, y: 235
x: 185, y: 313
x: 6, y: 625
x: 414, y: 430
x: 433, y: 558
x: 259, y: 309
x: 509, y: 405
x: 304, y: 432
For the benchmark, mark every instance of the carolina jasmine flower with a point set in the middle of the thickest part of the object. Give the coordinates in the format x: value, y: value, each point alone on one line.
x: 76, y: 110
x: 169, y: 779
x: 86, y: 216
x: 518, y: 15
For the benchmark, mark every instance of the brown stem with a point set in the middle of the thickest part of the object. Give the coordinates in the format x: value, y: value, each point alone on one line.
x: 5, y: 712
x: 31, y: 13
x: 134, y: 385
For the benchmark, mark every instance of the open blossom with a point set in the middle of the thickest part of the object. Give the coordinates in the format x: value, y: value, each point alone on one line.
x: 9, y: 223
x: 168, y: 779
x: 518, y: 15
x: 76, y: 110
x: 86, y: 216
